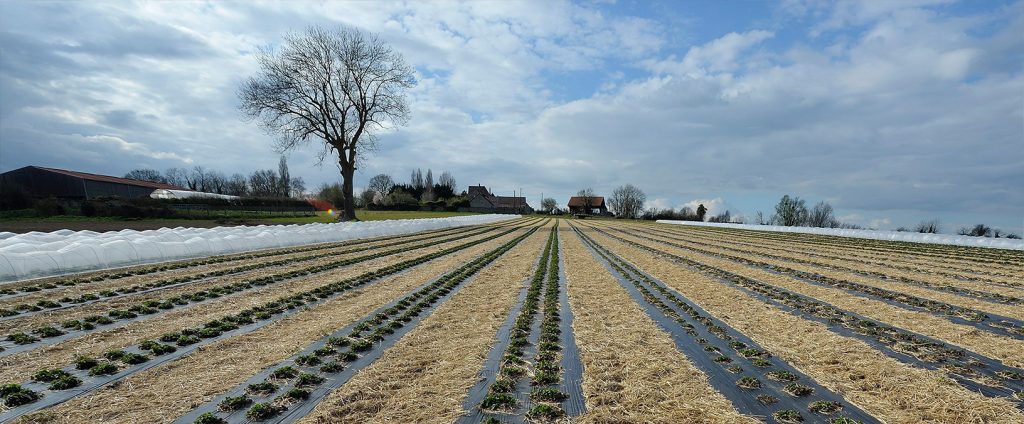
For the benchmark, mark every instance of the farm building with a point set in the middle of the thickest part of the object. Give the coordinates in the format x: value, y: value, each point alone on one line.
x: 482, y: 200
x: 40, y: 182
x: 597, y: 207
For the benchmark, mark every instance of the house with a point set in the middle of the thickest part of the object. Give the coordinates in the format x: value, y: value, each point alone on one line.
x: 577, y: 206
x: 40, y: 182
x: 482, y: 200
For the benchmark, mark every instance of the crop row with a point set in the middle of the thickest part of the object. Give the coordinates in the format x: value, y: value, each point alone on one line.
x: 798, y: 255
x: 990, y: 322
x: 321, y: 365
x: 155, y: 306
x: 840, y: 249
x: 971, y: 254
x: 774, y: 388
x: 532, y: 337
x: 974, y: 371
x: 170, y: 344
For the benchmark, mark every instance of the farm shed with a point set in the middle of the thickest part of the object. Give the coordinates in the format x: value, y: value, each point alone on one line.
x: 482, y: 200
x: 597, y: 206
x: 39, y: 182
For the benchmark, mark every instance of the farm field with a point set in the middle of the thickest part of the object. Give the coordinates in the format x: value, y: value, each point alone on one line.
x: 529, y: 320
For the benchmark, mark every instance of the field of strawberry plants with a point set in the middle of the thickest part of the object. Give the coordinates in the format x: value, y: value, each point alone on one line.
x: 528, y: 320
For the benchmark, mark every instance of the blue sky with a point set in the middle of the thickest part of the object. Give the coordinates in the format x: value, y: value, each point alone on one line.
x: 893, y: 111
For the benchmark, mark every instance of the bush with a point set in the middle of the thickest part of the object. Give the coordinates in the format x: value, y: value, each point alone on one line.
x: 49, y: 207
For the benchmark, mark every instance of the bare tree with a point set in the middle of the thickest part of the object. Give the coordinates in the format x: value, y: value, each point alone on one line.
x: 263, y: 183
x: 195, y: 178
x: 416, y: 179
x: 236, y: 185
x: 146, y: 175
x: 337, y: 86
x: 428, y: 186
x: 791, y: 211
x: 928, y: 227
x: 548, y: 205
x: 447, y: 180
x: 215, y: 181
x: 176, y: 176
x: 381, y: 183
x: 627, y: 201
x: 367, y: 196
x: 701, y: 212
x: 284, y: 178
x: 760, y: 219
x: 297, y: 187
x: 822, y: 216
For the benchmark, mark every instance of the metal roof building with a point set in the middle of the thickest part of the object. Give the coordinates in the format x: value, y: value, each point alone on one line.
x: 41, y: 182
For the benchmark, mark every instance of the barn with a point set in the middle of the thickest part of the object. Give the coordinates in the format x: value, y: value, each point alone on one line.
x: 577, y: 205
x: 42, y: 182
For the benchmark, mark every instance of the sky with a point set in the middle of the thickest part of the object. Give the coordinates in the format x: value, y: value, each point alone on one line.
x: 892, y: 111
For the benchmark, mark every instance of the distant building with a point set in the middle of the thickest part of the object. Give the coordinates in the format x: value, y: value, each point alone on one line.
x: 597, y: 207
x: 482, y: 200
x: 40, y: 182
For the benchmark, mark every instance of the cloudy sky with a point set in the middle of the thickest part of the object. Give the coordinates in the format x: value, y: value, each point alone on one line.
x: 892, y: 110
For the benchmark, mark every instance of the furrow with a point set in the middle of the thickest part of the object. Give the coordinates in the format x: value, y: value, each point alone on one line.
x: 757, y: 382
x: 106, y: 316
x: 974, y: 371
x: 990, y: 322
x: 886, y: 388
x: 224, y: 327
x: 634, y: 373
x: 305, y: 378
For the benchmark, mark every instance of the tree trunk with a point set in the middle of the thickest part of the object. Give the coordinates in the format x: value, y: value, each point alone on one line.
x: 347, y: 176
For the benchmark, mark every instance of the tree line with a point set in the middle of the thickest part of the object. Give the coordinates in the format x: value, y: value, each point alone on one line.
x: 260, y: 183
x: 383, y: 192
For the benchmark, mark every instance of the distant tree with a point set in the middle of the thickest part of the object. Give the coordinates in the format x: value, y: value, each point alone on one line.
x: 333, y: 193
x: 548, y: 204
x: 928, y: 227
x: 298, y: 188
x: 381, y: 183
x: 587, y: 198
x: 146, y: 174
x: 367, y: 196
x: 791, y: 211
x: 416, y: 180
x: 701, y: 211
x: 337, y: 86
x: 981, y: 230
x: 399, y: 199
x: 428, y: 187
x: 447, y: 180
x: 263, y: 183
x: 902, y: 229
x: 284, y: 178
x: 176, y: 176
x: 822, y: 216
x: 236, y: 185
x: 724, y: 217
x: 215, y: 181
x: 627, y: 201
x: 760, y: 219
x: 1012, y: 236
x: 196, y: 178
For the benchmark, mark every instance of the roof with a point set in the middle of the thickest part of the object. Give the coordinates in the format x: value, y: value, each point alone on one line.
x: 595, y: 202
x: 109, y: 179
x: 509, y: 202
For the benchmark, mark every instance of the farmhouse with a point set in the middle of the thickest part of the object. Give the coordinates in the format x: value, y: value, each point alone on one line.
x: 40, y: 182
x: 577, y: 206
x: 482, y: 200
